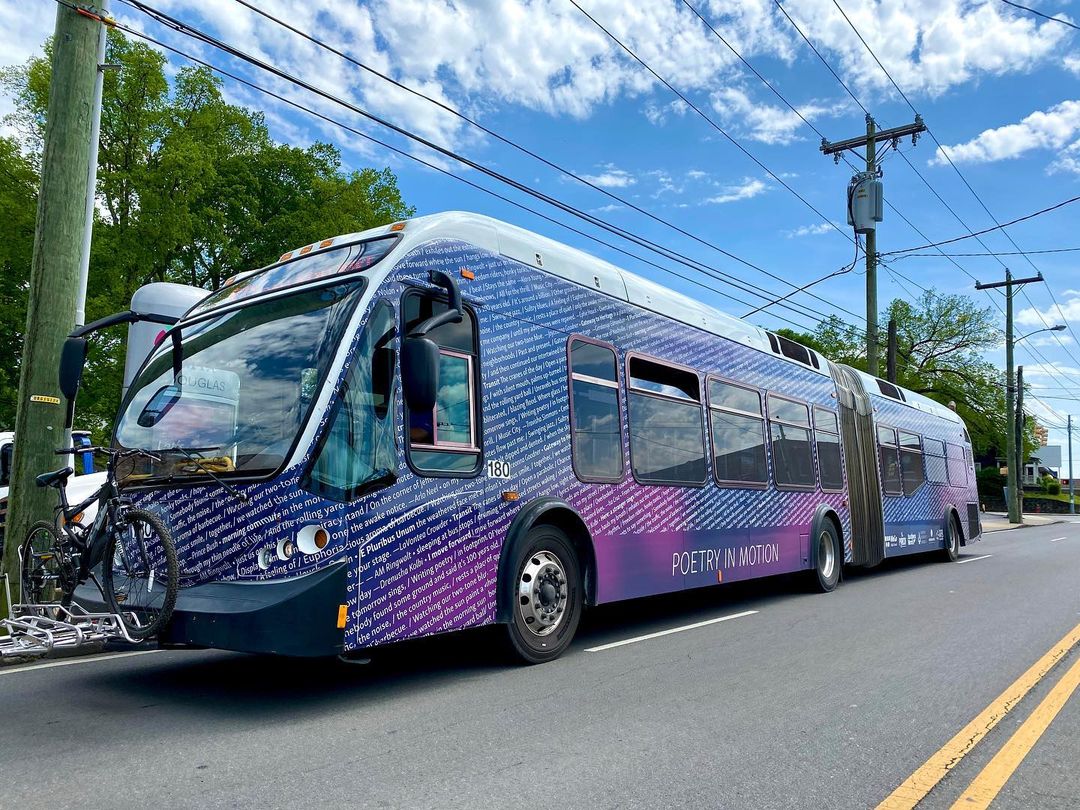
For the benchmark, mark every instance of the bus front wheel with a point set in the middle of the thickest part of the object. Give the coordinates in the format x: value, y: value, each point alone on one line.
x: 547, y: 595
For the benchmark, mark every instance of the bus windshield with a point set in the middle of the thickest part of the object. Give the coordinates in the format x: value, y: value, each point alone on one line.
x: 246, y: 383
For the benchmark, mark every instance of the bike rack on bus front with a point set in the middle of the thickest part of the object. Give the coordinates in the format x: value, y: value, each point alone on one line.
x: 37, y: 630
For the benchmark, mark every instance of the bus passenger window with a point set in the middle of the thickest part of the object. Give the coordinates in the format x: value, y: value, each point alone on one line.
x: 934, y: 456
x: 911, y: 462
x: 666, y: 426
x: 446, y: 440
x: 594, y: 412
x: 738, y: 434
x: 357, y: 452
x: 827, y: 434
x: 890, y: 461
x: 957, y: 463
x: 793, y: 458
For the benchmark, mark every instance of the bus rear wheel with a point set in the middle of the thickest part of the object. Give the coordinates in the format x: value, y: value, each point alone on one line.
x: 828, y: 557
x: 547, y: 595
x: 952, y: 539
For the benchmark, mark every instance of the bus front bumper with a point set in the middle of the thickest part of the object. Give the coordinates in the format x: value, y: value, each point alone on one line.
x: 296, y: 617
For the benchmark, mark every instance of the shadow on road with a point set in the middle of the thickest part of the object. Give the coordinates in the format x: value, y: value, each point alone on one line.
x: 236, y: 685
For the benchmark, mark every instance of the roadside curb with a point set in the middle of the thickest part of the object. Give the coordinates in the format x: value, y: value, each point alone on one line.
x: 1012, y: 526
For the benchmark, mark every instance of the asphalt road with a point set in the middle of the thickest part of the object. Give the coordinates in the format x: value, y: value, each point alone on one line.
x: 812, y: 701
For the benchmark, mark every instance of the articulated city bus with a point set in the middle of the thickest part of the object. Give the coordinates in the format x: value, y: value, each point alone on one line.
x: 452, y: 422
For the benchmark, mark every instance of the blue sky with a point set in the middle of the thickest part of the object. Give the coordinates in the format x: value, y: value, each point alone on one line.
x: 1000, y: 88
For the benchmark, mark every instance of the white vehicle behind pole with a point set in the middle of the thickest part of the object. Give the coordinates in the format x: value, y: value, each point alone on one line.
x: 159, y: 298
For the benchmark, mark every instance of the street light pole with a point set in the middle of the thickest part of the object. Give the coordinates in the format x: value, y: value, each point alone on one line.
x: 1010, y: 402
x: 1072, y: 479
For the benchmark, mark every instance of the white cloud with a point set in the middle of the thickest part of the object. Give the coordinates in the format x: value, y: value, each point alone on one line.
x: 763, y: 122
x: 658, y: 114
x: 545, y: 56
x: 810, y: 230
x: 1072, y: 64
x: 750, y: 187
x: 928, y: 47
x: 1052, y: 370
x: 606, y: 209
x: 696, y: 174
x: 1067, y: 312
x: 610, y: 177
x: 1058, y: 340
x: 1040, y: 130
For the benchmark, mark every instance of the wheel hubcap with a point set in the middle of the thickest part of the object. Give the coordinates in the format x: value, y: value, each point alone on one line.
x: 542, y: 593
x: 826, y: 555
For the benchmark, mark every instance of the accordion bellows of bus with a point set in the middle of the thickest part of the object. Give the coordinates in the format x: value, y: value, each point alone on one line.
x: 451, y: 422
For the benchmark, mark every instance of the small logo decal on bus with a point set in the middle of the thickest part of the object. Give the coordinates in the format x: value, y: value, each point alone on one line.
x: 498, y: 469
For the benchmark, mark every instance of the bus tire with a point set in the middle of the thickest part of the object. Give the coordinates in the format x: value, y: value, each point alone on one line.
x: 952, y: 539
x: 548, y: 595
x: 828, y: 558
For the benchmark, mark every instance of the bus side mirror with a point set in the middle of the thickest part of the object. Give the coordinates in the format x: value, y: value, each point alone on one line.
x: 419, y: 373
x: 72, y: 359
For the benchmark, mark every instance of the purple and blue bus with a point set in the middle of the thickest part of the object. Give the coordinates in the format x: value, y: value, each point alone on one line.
x: 452, y: 422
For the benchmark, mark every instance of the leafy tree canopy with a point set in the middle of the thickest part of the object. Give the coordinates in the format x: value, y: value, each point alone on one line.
x: 190, y: 189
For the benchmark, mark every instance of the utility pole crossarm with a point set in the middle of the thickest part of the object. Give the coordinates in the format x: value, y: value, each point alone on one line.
x: 995, y: 284
x: 831, y: 148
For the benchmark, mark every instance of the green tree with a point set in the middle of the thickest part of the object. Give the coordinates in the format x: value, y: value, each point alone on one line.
x: 190, y: 189
x: 940, y: 342
x: 18, y: 204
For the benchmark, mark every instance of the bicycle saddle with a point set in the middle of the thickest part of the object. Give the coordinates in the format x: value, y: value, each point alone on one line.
x: 56, y: 478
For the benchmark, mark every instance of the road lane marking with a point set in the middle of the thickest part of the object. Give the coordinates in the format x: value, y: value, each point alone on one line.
x: 973, y: 559
x: 991, y: 779
x: 1056, y: 539
x: 67, y: 662
x: 648, y: 636
x: 916, y: 787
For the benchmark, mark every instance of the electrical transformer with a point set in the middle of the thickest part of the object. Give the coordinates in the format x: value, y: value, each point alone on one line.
x: 865, y: 202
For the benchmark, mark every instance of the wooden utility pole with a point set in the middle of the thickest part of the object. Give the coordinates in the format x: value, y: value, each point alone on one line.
x: 54, y: 276
x: 1010, y: 392
x: 1020, y: 441
x: 870, y: 141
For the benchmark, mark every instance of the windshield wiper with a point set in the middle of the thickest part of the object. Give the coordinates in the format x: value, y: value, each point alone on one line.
x: 187, y: 452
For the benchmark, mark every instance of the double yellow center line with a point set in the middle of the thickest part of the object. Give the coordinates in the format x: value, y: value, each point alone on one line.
x: 986, y: 785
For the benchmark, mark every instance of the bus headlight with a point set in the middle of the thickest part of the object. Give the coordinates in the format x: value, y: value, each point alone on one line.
x: 312, y: 539
x: 285, y: 548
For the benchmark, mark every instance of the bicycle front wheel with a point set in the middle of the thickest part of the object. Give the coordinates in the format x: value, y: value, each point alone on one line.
x: 140, y: 573
x: 43, y: 578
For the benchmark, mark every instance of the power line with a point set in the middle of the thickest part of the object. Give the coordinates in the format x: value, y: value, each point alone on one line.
x: 435, y: 167
x: 711, y: 123
x: 989, y: 254
x: 1030, y: 350
x: 944, y: 153
x: 987, y: 230
x: 840, y: 272
x: 667, y: 253
x: 819, y: 56
x: 503, y: 139
x: 673, y: 255
x: 1040, y: 14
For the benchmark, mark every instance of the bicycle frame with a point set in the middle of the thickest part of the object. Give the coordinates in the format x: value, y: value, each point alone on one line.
x: 90, y: 541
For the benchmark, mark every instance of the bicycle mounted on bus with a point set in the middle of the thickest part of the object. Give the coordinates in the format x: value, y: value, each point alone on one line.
x: 139, y: 569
